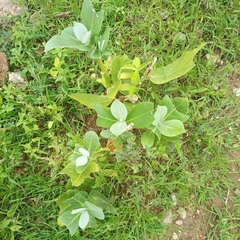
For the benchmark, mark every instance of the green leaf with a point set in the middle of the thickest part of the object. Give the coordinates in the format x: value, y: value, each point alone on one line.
x: 91, y: 142
x: 181, y: 104
x: 66, y: 39
x: 90, y: 99
x: 176, y: 69
x: 173, y: 113
x: 92, y: 19
x: 78, y: 178
x: 61, y: 200
x: 71, y: 221
x: 171, y: 128
x: 118, y: 110
x: 141, y: 115
x: 98, y: 199
x: 147, y: 138
x: 94, y: 210
x: 112, y: 91
x: 107, y: 134
x: 105, y: 117
x: 118, y: 128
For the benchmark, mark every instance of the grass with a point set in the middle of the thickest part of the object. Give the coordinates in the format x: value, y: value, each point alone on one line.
x: 40, y: 124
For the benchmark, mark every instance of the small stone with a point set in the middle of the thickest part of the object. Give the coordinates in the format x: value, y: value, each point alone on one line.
x: 168, y: 219
x: 236, y: 91
x: 179, y: 222
x: 174, y: 198
x: 182, y: 212
x: 174, y: 236
x: 237, y: 192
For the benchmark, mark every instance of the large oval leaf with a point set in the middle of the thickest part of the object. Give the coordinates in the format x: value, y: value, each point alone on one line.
x: 91, y: 142
x: 171, y: 128
x: 141, y: 115
x: 118, y: 110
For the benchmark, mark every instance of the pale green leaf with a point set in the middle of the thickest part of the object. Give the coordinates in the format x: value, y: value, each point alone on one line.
x: 107, y: 134
x: 118, y: 128
x: 159, y: 115
x: 95, y: 211
x: 141, y: 115
x: 171, y: 128
x: 90, y: 99
x: 91, y: 142
x: 118, y: 110
x: 176, y: 69
x: 147, y: 138
x: 84, y: 219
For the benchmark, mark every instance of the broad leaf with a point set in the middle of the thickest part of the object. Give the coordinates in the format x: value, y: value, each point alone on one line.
x: 107, y: 134
x: 91, y: 142
x: 95, y: 211
x: 171, y: 128
x: 90, y: 99
x: 72, y: 220
x: 118, y: 128
x: 66, y: 39
x: 141, y: 115
x: 98, y: 199
x: 147, y: 138
x: 92, y: 19
x: 78, y: 178
x: 61, y: 200
x: 118, y: 110
x: 105, y: 117
x: 173, y: 113
x: 176, y: 69
x: 81, y: 32
x: 181, y: 104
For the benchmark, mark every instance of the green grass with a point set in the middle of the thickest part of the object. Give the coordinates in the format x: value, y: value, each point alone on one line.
x: 40, y: 124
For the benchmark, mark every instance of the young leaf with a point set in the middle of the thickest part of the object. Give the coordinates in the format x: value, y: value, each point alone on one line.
x: 90, y: 99
x: 103, y: 40
x: 70, y: 221
x: 105, y: 117
x: 118, y: 128
x: 80, y: 32
x: 171, y: 128
x: 66, y: 39
x: 84, y: 219
x: 160, y: 115
x: 141, y: 115
x: 118, y: 110
x: 95, y: 211
x: 91, y: 142
x: 176, y: 69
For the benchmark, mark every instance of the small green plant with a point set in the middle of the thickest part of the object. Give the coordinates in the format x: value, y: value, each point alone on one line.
x: 122, y: 78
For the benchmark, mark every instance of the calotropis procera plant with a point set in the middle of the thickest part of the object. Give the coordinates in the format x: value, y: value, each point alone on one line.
x: 121, y: 77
